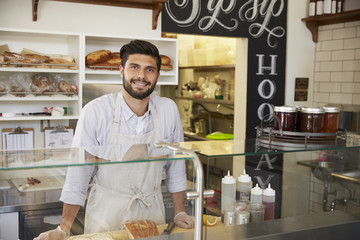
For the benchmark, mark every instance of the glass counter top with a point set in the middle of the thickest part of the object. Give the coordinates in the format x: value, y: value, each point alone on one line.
x: 223, y: 148
x: 115, y: 154
x: 83, y: 156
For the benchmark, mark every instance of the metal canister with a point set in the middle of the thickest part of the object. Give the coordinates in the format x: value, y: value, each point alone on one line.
x: 229, y: 218
x: 242, y: 217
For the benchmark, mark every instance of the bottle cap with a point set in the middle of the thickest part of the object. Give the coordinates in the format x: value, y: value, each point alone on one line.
x: 244, y: 177
x: 228, y: 179
x: 269, y: 191
x: 256, y: 190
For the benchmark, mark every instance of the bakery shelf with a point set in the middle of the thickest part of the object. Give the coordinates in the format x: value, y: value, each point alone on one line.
x: 27, y: 69
x: 313, y: 22
x: 10, y: 97
x: 116, y: 72
x: 37, y: 118
x: 103, y: 82
x: 209, y: 67
x: 105, y: 72
x: 113, y: 43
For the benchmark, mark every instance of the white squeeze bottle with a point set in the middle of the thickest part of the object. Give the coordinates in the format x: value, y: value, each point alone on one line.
x: 244, y: 185
x: 256, y: 195
x: 228, y: 192
x: 269, y: 202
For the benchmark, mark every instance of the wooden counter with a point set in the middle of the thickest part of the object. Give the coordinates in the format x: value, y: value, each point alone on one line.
x: 124, y: 235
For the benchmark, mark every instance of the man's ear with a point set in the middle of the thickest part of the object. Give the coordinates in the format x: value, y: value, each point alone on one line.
x: 121, y: 70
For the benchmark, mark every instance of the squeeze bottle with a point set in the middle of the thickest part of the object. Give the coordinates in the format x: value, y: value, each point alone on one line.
x: 269, y: 202
x: 228, y: 192
x: 256, y: 195
x: 244, y: 185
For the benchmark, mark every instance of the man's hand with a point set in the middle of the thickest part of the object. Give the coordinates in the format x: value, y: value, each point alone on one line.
x: 183, y: 220
x: 56, y: 234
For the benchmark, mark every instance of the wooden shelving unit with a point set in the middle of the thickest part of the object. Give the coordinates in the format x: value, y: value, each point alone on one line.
x: 154, y: 5
x: 312, y: 23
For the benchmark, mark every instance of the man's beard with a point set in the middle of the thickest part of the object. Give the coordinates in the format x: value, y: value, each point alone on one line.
x: 137, y: 94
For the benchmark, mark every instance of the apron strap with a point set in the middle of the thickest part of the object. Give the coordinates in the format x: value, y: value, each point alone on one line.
x: 138, y: 195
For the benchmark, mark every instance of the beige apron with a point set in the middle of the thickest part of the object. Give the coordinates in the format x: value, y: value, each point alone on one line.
x: 128, y: 191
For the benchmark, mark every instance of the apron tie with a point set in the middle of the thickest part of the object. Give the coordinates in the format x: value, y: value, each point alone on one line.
x: 138, y: 195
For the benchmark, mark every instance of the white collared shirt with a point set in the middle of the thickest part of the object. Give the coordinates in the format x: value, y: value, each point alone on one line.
x: 92, y: 130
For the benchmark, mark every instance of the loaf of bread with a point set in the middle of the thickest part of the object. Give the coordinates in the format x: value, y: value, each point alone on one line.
x: 165, y: 60
x: 142, y: 229
x: 113, y: 63
x: 166, y: 67
x: 25, y: 58
x: 42, y: 82
x: 98, y: 56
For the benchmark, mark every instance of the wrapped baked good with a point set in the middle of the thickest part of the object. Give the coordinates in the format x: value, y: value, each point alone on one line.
x: 19, y: 84
x: 13, y: 57
x: 61, y: 59
x: 142, y: 229
x: 65, y: 86
x: 25, y: 58
x: 36, y: 58
x: 98, y: 56
x: 42, y: 82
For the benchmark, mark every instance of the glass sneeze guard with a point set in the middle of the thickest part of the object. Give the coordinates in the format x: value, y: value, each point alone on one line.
x: 85, y: 156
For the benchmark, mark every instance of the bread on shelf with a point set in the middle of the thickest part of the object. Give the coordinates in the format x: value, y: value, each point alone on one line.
x: 98, y: 56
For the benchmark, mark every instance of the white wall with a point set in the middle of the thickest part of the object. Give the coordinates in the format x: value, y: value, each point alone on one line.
x: 337, y: 64
x: 300, y: 51
x: 77, y: 17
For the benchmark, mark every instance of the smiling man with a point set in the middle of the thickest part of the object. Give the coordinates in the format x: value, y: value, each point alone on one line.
x: 132, y: 116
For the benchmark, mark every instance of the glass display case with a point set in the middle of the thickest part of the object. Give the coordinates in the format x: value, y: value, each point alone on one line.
x: 316, y: 191
x: 316, y: 184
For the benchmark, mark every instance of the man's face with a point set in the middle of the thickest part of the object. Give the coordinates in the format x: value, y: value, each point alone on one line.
x: 140, y: 75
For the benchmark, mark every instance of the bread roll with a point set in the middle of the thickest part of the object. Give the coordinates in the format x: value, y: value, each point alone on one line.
x: 142, y: 229
x: 64, y: 86
x: 165, y: 59
x: 98, y: 57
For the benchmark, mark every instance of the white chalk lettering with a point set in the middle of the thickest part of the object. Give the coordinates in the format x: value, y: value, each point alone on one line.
x: 261, y: 66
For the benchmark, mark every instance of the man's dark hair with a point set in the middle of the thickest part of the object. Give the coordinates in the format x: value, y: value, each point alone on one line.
x: 140, y: 47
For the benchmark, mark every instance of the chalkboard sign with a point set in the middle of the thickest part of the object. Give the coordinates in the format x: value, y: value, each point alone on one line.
x: 263, y: 22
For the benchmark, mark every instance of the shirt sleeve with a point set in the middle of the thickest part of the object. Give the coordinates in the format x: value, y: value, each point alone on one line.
x: 76, y: 185
x: 77, y: 178
x: 175, y: 170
